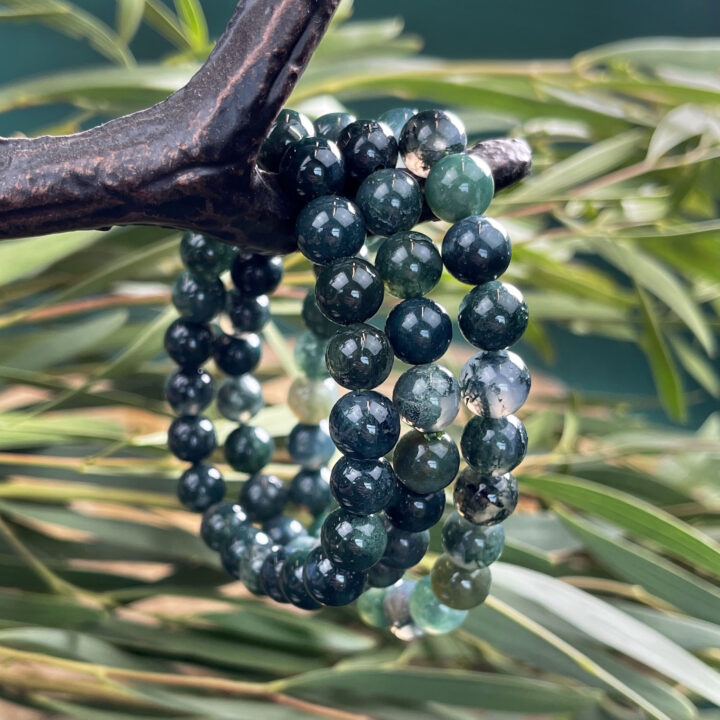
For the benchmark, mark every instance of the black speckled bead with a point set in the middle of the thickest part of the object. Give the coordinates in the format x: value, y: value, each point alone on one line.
x: 292, y: 585
x: 189, y: 392
x: 236, y: 547
x: 198, y: 297
x: 191, y: 438
x: 413, y: 512
x: 367, y: 146
x: 419, y: 330
x: 310, y: 446
x: 249, y: 449
x: 200, y: 486
x: 426, y: 463
x: 395, y: 119
x: 311, y: 168
x: 247, y: 313
x: 382, y: 576
x: 494, y: 446
x: 328, y: 584
x: 263, y: 497
x: 314, y: 320
x: 362, y: 487
x: 359, y: 357
x: 220, y: 523
x: 427, y: 397
x: 311, y: 489
x: 205, y: 255
x: 237, y: 355
x: 283, y: 529
x: 349, y: 291
x: 256, y: 274
x: 390, y: 201
x: 189, y: 344
x: 485, y: 499
x: 409, y: 263
x: 252, y: 562
x: 471, y: 546
x: 404, y: 549
x: 330, y: 125
x: 309, y: 354
x: 288, y: 127
x: 428, y: 137
x: 353, y: 542
x: 270, y: 572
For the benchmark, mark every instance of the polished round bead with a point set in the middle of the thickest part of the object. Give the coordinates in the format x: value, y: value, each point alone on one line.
x: 419, y: 330
x: 367, y: 146
x: 249, y: 449
x: 485, y: 499
x: 288, y: 127
x: 205, y: 255
x: 236, y: 548
x: 305, y: 541
x: 270, y: 572
x: 409, y: 264
x: 256, y: 275
x: 252, y: 562
x: 189, y: 392
x: 471, y: 545
x: 240, y: 398
x: 494, y: 446
x: 247, y: 313
x: 493, y: 316
x: 191, y: 438
x: 370, y: 608
x: 458, y: 186
x: 381, y: 576
x: 198, y: 297
x: 428, y: 137
x: 364, y: 424
x: 404, y: 549
x: 189, y: 344
x: 292, y: 584
x: 311, y: 446
x: 330, y: 125
x: 263, y: 497
x: 362, y: 487
x: 314, y: 320
x: 414, y: 512
x: 311, y: 489
x: 220, y: 523
x: 396, y: 603
x: 494, y: 384
x: 329, y: 584
x: 309, y: 354
x: 476, y: 250
x: 359, y: 357
x: 395, y: 119
x: 426, y: 463
x: 311, y: 168
x: 429, y: 614
x: 200, y: 486
x: 349, y: 291
x: 353, y: 542
x: 457, y: 587
x: 390, y: 201
x: 283, y: 529
x: 328, y: 228
x: 312, y: 400
x: 427, y: 397
x: 237, y: 355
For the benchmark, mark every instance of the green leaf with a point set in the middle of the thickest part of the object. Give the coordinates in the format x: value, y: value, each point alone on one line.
x: 697, y: 365
x: 166, y: 23
x: 128, y: 16
x: 193, y: 22
x: 681, y: 124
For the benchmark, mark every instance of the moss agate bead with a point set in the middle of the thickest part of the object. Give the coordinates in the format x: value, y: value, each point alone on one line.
x: 426, y: 463
x: 471, y: 546
x: 429, y: 614
x: 282, y: 529
x: 428, y: 137
x: 311, y: 489
x: 314, y: 320
x: 414, y: 512
x: 395, y: 119
x: 249, y: 449
x: 382, y: 576
x: 329, y: 228
x: 263, y: 497
x: 390, y: 201
x: 396, y: 603
x: 197, y: 297
x: 312, y: 400
x: 252, y: 562
x: 292, y: 585
x: 189, y: 344
x: 255, y: 275
x: 494, y: 384
x: 370, y: 608
x: 329, y: 584
x: 237, y: 355
x: 367, y: 146
x: 427, y: 397
x: 457, y: 587
x: 309, y: 354
x: 192, y: 437
x: 364, y: 424
x: 200, y: 486
x: 419, y: 330
x: 234, y: 550
x: 270, y: 573
x: 459, y: 185
x: 288, y: 127
x: 362, y: 487
x: 476, y: 250
x: 353, y: 542
x: 404, y: 549
x: 330, y: 125
x: 240, y: 398
x: 494, y: 446
x: 409, y: 264
x: 311, y: 446
x: 312, y: 167
x: 493, y: 316
x: 247, y: 313
x: 220, y: 523
x: 205, y: 255
x: 485, y: 499
x: 189, y: 392
x: 349, y: 291
x: 359, y: 357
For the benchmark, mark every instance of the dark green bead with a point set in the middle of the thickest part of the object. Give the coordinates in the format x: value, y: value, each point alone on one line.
x: 205, y: 255
x: 247, y: 313
x: 192, y: 437
x: 328, y: 584
x: 270, y: 573
x: 459, y: 185
x: 370, y: 608
x: 197, y: 297
x: 494, y: 383
x: 476, y: 249
x: 200, y: 486
x: 349, y: 291
x: 288, y: 127
x: 390, y: 201
x: 330, y: 125
x: 426, y: 463
x: 409, y: 264
x: 396, y: 603
x: 237, y: 355
x: 428, y: 137
x: 309, y: 355
x: 359, y: 357
x: 235, y: 549
x: 353, y: 542
x: 256, y: 275
x: 427, y: 397
x: 263, y: 497
x: 362, y: 487
x: 249, y: 449
x: 311, y: 490
x: 292, y: 585
x: 240, y: 398
x: 220, y: 522
x: 314, y: 320
x: 471, y: 546
x: 419, y: 330
x: 395, y: 119
x: 429, y: 614
x: 189, y: 344
x: 485, y: 499
x: 311, y: 400
x: 311, y: 168
x: 404, y: 549
x: 283, y: 529
x: 457, y: 587
x: 382, y: 576
x: 252, y: 562
x: 310, y: 446
x: 189, y: 392
x: 493, y: 316
x: 494, y: 446
x: 414, y: 512
x: 367, y: 146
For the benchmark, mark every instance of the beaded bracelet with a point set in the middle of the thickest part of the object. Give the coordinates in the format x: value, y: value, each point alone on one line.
x: 371, y: 517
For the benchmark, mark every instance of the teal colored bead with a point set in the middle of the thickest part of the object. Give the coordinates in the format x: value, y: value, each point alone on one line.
x: 353, y: 542
x: 252, y: 562
x: 485, y: 499
x: 428, y: 137
x: 291, y: 581
x: 396, y: 603
x: 381, y: 575
x: 240, y: 398
x: 370, y: 608
x: 205, y: 255
x: 427, y: 397
x: 396, y: 118
x: 198, y: 297
x: 312, y: 167
x: 312, y: 400
x: 426, y: 463
x: 330, y: 125
x: 220, y: 523
x: 249, y: 449
x: 390, y: 201
x: 494, y: 446
x: 329, y: 584
x: 409, y: 264
x: 493, y: 316
x: 263, y: 497
x: 471, y: 546
x: 476, y: 249
x: 288, y: 127
x: 311, y: 489
x: 457, y: 587
x: 309, y: 355
x: 314, y: 320
x: 429, y: 614
x: 359, y: 357
x: 362, y: 487
x: 458, y: 186
x: 349, y: 291
x: 310, y: 446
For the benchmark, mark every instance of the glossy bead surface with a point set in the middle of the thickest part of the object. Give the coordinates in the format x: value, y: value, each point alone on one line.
x: 220, y: 522
x: 328, y: 584
x: 237, y: 355
x: 428, y: 137
x: 396, y: 603
x: 309, y: 354
x: 249, y: 449
x: 349, y: 291
x: 470, y: 545
x: 494, y: 446
x: 430, y: 614
x: 328, y: 228
x: 427, y: 397
x: 205, y: 255
x: 367, y: 146
x: 292, y: 585
x: 353, y: 542
x: 311, y: 168
x: 485, y: 499
x: 381, y: 576
x: 494, y: 384
x: 256, y: 274
x: 189, y: 344
x: 419, y: 330
x: 493, y: 316
x: 240, y: 398
x: 312, y: 400
x: 459, y: 185
x: 395, y: 119
x: 283, y: 529
x: 189, y: 392
x: 311, y: 489
x: 311, y: 446
x: 362, y: 487
x: 359, y: 357
x: 364, y: 424
x: 314, y: 320
x: 457, y: 587
x: 409, y: 264
x: 370, y: 608
x: 247, y: 313
x: 426, y: 463
x: 330, y: 125
x: 191, y: 438
x: 476, y: 250
x: 252, y: 562
x: 200, y: 486
x: 404, y: 549
x: 270, y: 573
x: 288, y: 127
x: 263, y: 497
x: 197, y: 297
x: 234, y: 550
x: 390, y: 201
x: 414, y: 512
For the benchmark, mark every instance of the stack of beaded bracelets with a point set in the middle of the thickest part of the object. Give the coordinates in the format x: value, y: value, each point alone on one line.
x: 377, y: 528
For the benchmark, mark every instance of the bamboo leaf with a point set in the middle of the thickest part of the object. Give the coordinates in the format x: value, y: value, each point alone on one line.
x: 128, y: 17
x: 193, y: 22
x: 166, y: 23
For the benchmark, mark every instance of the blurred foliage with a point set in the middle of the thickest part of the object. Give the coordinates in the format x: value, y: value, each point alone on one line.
x: 606, y: 605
